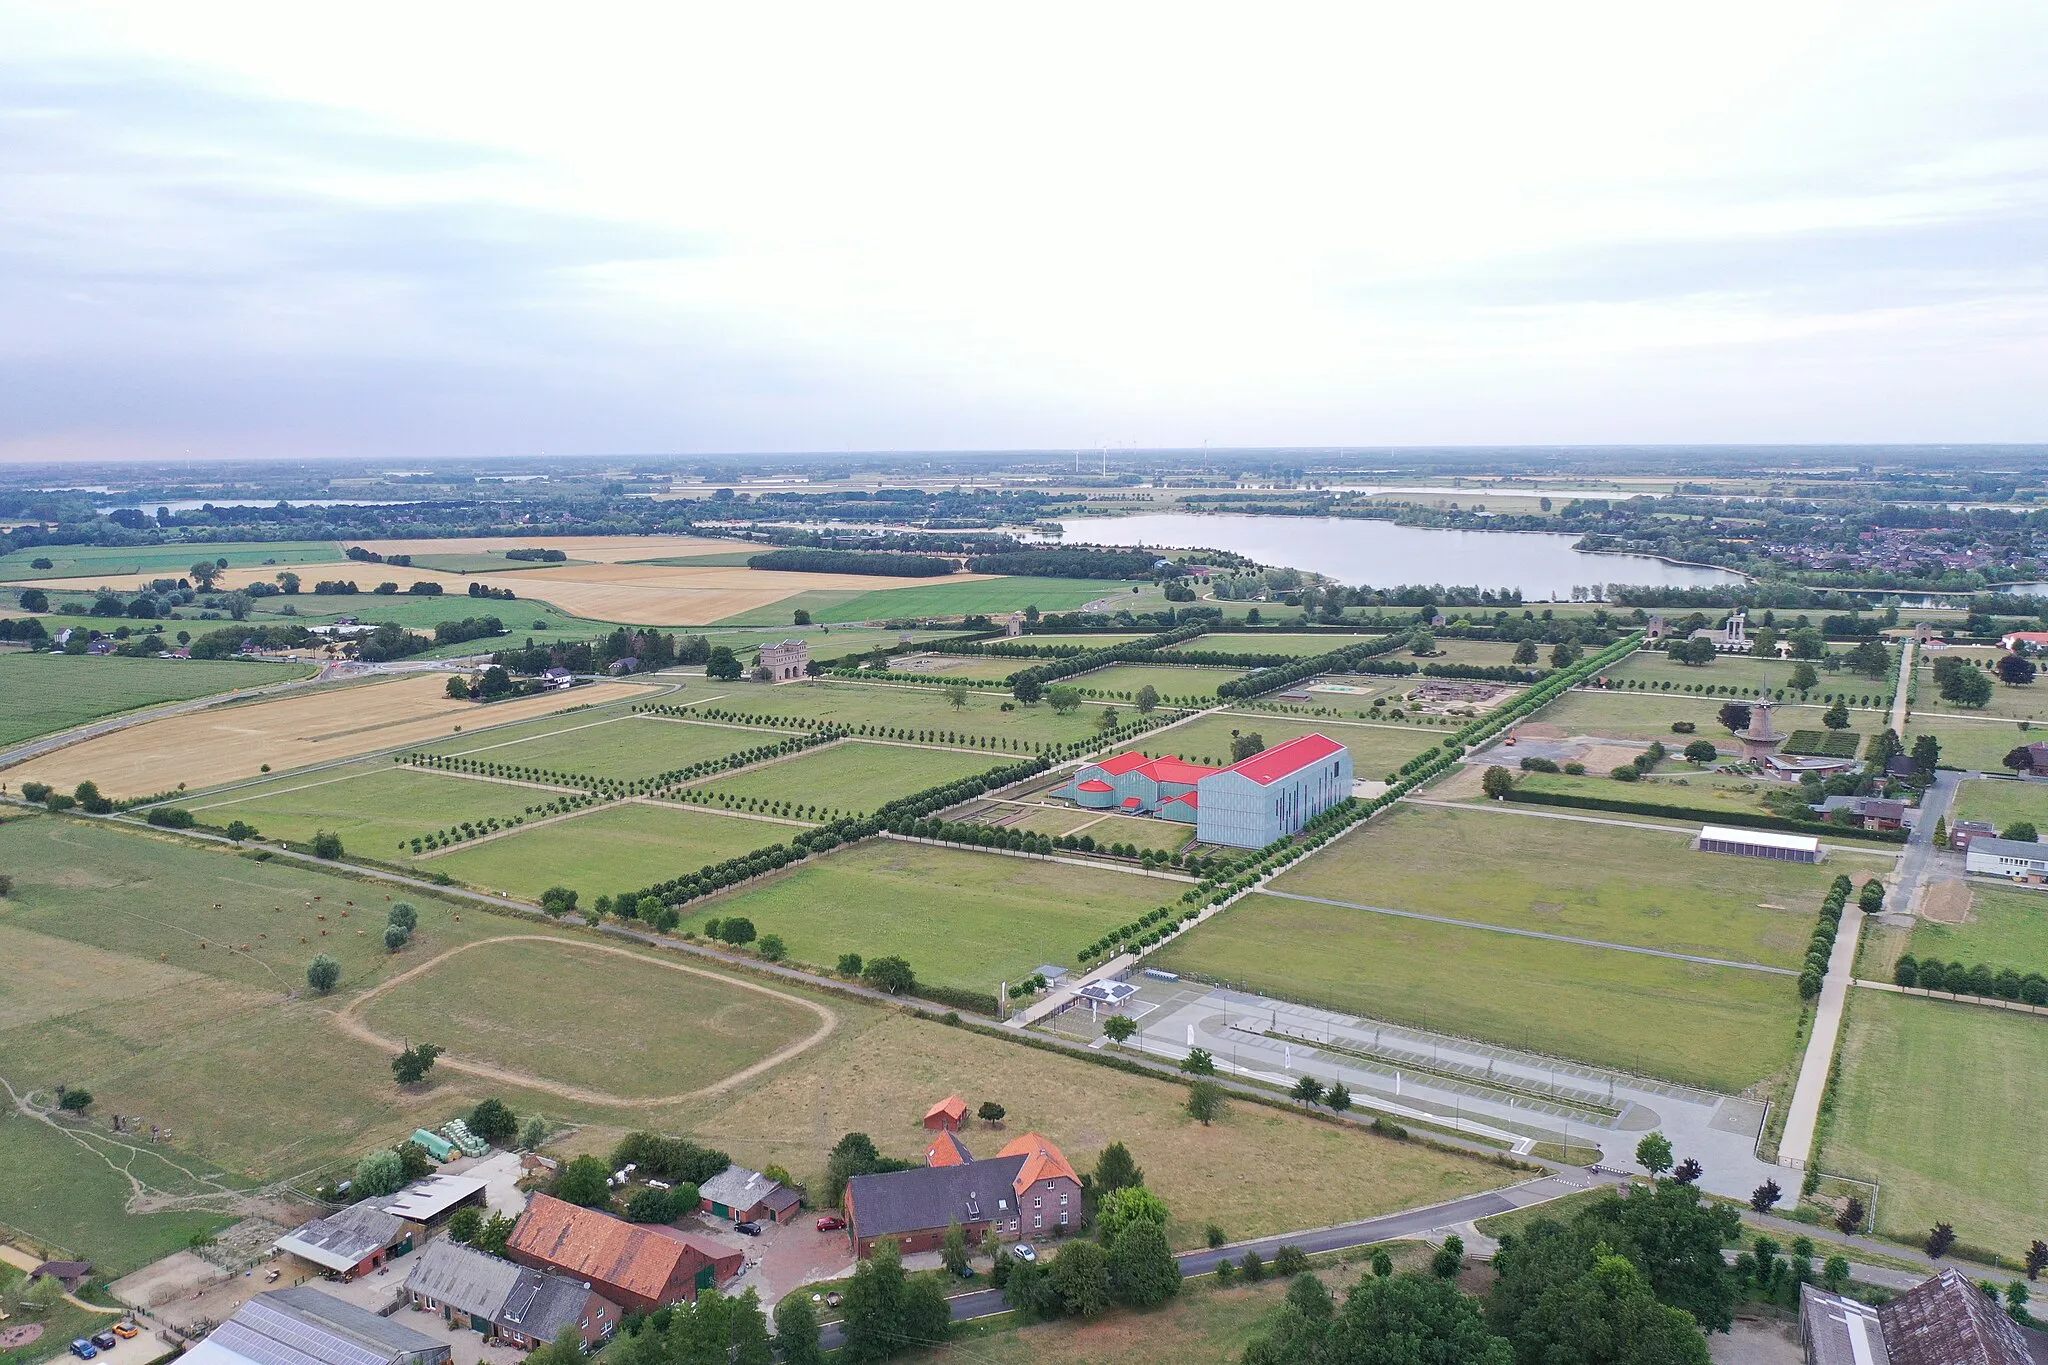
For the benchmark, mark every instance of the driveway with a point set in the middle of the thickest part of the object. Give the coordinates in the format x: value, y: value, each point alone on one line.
x: 784, y: 1257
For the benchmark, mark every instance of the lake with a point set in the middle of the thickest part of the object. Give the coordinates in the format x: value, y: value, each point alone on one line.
x: 1379, y: 554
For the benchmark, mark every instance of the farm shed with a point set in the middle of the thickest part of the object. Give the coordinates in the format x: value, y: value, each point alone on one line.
x: 1759, y: 843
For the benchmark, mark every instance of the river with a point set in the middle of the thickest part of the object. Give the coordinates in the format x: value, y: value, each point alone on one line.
x: 1380, y: 554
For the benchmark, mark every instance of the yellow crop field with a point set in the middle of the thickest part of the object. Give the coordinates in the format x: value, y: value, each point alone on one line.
x: 231, y: 743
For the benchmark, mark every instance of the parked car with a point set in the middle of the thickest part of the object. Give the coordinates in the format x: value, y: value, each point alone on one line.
x: 1026, y: 1252
x: 126, y: 1329
x: 750, y: 1229
x: 83, y: 1349
x: 106, y: 1341
x: 832, y: 1300
x: 831, y: 1222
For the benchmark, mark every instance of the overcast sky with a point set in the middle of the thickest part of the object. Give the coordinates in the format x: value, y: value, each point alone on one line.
x: 417, y: 230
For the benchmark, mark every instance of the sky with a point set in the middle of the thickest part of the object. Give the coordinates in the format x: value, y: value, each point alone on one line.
x: 261, y: 230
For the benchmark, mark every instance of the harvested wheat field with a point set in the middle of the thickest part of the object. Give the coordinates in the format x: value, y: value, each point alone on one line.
x: 601, y: 549
x: 231, y: 743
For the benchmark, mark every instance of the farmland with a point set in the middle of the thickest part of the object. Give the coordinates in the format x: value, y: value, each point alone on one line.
x: 233, y: 743
x: 1744, y: 672
x: 2005, y: 929
x: 374, y: 806
x: 852, y: 776
x: 618, y: 847
x: 51, y: 692
x: 1720, y: 1027
x: 847, y: 600
x: 1618, y: 884
x: 623, y: 747
x: 965, y: 666
x: 611, y: 994
x: 1683, y: 793
x: 962, y: 919
x: 1939, y: 1105
x: 118, y: 564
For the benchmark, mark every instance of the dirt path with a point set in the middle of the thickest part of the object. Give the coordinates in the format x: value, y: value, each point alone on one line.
x: 348, y: 1020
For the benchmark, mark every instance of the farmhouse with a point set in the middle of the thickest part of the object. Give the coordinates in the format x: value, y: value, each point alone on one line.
x: 1759, y: 843
x: 302, y: 1326
x: 502, y: 1301
x: 2030, y: 640
x: 745, y: 1196
x: 1870, y: 812
x: 1944, y: 1321
x: 638, y: 1268
x: 2013, y: 858
x: 1028, y: 1189
x: 1250, y: 804
x: 787, y: 659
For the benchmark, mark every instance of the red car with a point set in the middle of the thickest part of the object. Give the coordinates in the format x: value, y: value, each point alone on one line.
x: 831, y: 1222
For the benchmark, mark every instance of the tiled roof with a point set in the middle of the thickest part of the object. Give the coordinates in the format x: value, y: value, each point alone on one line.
x: 1170, y: 769
x: 1270, y: 765
x: 951, y: 1107
x: 1117, y: 764
x: 1042, y: 1161
x: 947, y: 1150
x: 597, y: 1246
x: 930, y: 1197
x: 1949, y: 1321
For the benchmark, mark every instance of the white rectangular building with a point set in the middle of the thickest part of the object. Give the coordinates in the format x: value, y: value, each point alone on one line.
x: 1759, y: 843
x: 2006, y: 857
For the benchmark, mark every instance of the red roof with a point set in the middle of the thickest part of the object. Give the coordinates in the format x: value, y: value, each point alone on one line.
x: 593, y: 1245
x: 951, y: 1107
x: 1192, y: 798
x: 1042, y: 1161
x: 1270, y: 765
x: 1096, y: 785
x: 1118, y: 764
x: 947, y: 1151
x: 1132, y: 803
x: 1171, y: 769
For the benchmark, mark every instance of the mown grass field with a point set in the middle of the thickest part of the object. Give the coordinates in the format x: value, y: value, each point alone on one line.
x: 880, y: 1078
x: 46, y: 693
x: 2026, y: 702
x: 476, y: 1005
x: 2007, y: 929
x: 942, y: 598
x: 962, y: 666
x: 1719, y: 1027
x: 121, y: 563
x: 1700, y: 790
x: 1939, y: 1103
x: 1375, y: 749
x: 1165, y: 835
x: 1743, y: 671
x: 849, y: 777
x: 612, y: 744
x: 1606, y: 882
x: 1643, y: 715
x: 910, y: 706
x: 2001, y: 803
x: 376, y: 807
x: 960, y: 918
x: 1085, y: 639
x: 1483, y: 653
x: 614, y: 848
x: 1122, y: 681
x: 1205, y: 1324
x: 1267, y: 642
x: 1978, y: 745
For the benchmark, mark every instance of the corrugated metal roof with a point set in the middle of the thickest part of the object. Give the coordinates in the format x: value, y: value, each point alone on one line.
x: 463, y: 1277
x: 341, y: 1240
x: 1282, y: 760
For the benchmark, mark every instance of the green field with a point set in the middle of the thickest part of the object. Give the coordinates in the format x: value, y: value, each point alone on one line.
x: 1606, y: 882
x: 2027, y: 702
x: 1166, y: 835
x: 906, y: 706
x: 614, y: 848
x: 1122, y: 681
x: 611, y: 996
x: 2007, y: 929
x: 849, y: 777
x: 1355, y: 704
x: 1674, y: 787
x: 990, y: 666
x: 46, y: 693
x: 941, y: 598
x: 1745, y: 672
x: 962, y: 919
x: 2000, y: 803
x: 1939, y: 1103
x: 1086, y: 640
x: 121, y: 563
x: 1375, y: 749
x: 1719, y: 1027
x: 1482, y: 653
x: 1640, y: 715
x: 607, y: 744
x: 1977, y: 745
x: 374, y: 807
x: 1267, y: 642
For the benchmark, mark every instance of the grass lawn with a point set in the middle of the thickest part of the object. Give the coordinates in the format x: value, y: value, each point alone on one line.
x: 850, y: 777
x: 1701, y: 790
x: 941, y: 598
x: 909, y: 706
x: 375, y: 807
x: 1485, y: 653
x: 1977, y: 745
x: 962, y: 919
x: 1353, y: 703
x: 610, y: 744
x: 1745, y: 672
x: 613, y: 848
x: 1940, y: 1104
x: 50, y: 692
x: 588, y: 1027
x: 2007, y: 929
x: 1642, y: 715
x: 1205, y: 1324
x: 2001, y: 803
x: 1120, y: 682
x: 1086, y: 639
x: 997, y: 667
x: 1375, y: 749
x: 1718, y: 1027
x: 2028, y: 702
x: 880, y: 1080
x: 121, y: 563
x: 1607, y: 882
x: 1166, y: 835
x: 1268, y: 642
x: 59, y: 1191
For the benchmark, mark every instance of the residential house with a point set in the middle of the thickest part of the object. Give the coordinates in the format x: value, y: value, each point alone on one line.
x: 1029, y: 1189
x: 1870, y: 812
x: 557, y: 679
x: 504, y: 1301
x: 1946, y: 1320
x: 637, y: 1267
x: 2028, y: 641
x: 302, y: 1326
x: 948, y: 1115
x: 747, y: 1196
